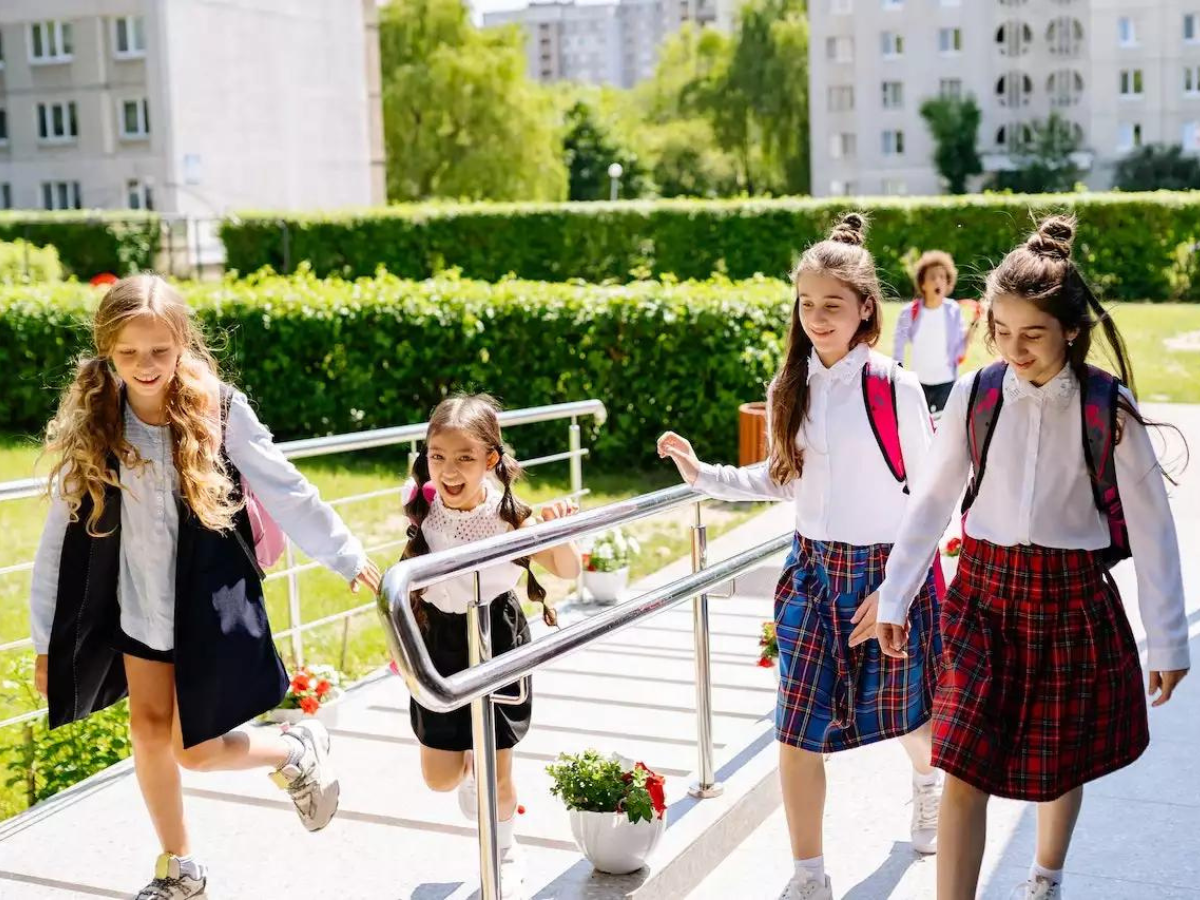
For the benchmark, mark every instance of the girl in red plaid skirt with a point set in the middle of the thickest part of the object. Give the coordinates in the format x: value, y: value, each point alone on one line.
x: 834, y: 457
x: 1041, y: 688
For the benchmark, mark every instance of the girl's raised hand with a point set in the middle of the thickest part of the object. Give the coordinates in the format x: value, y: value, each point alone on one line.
x: 1164, y: 684
x: 679, y: 450
x: 369, y: 577
x: 893, y: 639
x: 559, y: 509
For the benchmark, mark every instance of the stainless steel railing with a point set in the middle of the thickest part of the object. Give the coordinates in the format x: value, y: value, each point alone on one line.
x: 479, y: 683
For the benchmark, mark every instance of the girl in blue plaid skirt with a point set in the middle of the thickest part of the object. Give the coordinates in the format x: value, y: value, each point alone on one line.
x: 1041, y: 690
x: 847, y: 429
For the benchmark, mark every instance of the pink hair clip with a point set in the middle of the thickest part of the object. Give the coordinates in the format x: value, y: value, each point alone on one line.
x: 409, y: 492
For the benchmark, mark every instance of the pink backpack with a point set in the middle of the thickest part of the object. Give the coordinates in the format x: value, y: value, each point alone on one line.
x: 269, y: 539
x: 879, y: 394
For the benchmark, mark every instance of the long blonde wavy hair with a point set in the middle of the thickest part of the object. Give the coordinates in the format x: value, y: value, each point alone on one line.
x: 88, y: 428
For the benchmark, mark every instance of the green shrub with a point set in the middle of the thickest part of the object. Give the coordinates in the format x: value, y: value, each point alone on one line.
x: 1127, y: 242
x: 322, y: 357
x: 24, y: 263
x: 89, y: 243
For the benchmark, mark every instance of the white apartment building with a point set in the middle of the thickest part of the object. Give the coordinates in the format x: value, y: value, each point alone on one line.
x: 190, y: 107
x: 1123, y: 72
x: 610, y: 43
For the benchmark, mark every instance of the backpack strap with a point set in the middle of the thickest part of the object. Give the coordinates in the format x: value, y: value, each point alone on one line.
x: 879, y: 396
x: 1098, y: 405
x: 914, y: 309
x: 987, y: 397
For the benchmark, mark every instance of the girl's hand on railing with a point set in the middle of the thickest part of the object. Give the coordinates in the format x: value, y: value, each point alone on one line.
x: 679, y: 450
x: 559, y: 509
x: 369, y: 577
x: 562, y: 560
x: 41, y: 669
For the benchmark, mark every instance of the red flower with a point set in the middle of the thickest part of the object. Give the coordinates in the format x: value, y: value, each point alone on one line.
x: 655, y: 788
x: 764, y: 663
x: 323, y: 687
x: 310, y: 705
x: 300, y: 682
x: 953, y: 546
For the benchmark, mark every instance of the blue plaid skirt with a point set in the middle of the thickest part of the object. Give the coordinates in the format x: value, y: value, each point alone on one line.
x: 833, y: 697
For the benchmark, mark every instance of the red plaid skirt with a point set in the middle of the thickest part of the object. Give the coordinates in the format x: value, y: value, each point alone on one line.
x: 1041, y: 690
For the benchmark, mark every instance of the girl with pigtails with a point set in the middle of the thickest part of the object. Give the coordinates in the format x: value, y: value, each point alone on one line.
x: 461, y: 491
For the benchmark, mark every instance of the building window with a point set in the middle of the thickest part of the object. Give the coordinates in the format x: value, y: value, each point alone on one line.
x: 129, y: 37
x: 5, y: 196
x: 950, y: 88
x: 57, y: 122
x: 841, y: 188
x: 1065, y: 36
x: 1191, y: 80
x: 893, y: 143
x: 1191, y: 136
x: 840, y: 49
x: 50, y: 42
x: 1191, y: 33
x: 1129, y: 136
x: 1126, y: 32
x: 949, y: 40
x: 1014, y: 138
x: 891, y: 44
x: 843, y: 146
x: 3, y: 126
x: 1064, y: 88
x: 1131, y: 82
x: 61, y: 195
x: 841, y: 98
x: 894, y: 187
x: 135, y: 119
x: 1014, y: 89
x: 1, y: 51
x: 139, y: 194
x: 893, y: 94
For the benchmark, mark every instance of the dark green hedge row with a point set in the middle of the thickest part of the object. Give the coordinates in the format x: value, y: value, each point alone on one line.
x: 1135, y: 246
x: 323, y: 357
x: 89, y: 243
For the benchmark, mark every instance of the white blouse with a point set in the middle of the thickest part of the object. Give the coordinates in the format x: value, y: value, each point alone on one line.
x: 446, y: 528
x: 1037, y: 491
x: 150, y: 525
x: 846, y: 493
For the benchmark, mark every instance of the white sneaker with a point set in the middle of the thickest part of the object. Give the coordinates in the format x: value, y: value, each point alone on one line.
x: 468, y: 793
x: 926, y: 802
x: 804, y: 887
x: 512, y: 872
x: 1039, y: 889
x: 311, y: 782
x: 171, y: 882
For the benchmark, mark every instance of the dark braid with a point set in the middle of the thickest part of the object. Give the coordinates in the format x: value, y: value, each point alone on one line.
x: 514, y: 512
x: 417, y: 508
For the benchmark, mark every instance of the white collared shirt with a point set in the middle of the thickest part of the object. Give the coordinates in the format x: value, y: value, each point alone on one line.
x: 846, y: 493
x: 1037, y: 491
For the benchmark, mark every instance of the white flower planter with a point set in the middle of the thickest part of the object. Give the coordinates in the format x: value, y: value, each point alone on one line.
x: 612, y: 843
x: 606, y: 587
x: 327, y: 713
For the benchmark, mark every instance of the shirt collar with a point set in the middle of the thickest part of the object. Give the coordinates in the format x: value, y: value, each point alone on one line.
x: 1058, y: 391
x: 842, y: 371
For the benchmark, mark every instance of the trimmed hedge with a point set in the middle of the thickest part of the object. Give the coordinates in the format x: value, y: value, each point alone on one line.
x: 89, y: 243
x: 24, y: 263
x: 1135, y: 246
x: 324, y: 357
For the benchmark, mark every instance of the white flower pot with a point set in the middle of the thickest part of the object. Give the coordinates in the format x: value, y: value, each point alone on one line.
x: 606, y: 587
x: 327, y: 713
x: 612, y: 843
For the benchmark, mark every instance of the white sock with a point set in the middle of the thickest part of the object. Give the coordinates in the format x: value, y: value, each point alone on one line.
x: 815, y: 867
x: 925, y: 780
x: 1039, y: 871
x: 504, y: 834
x: 191, y: 867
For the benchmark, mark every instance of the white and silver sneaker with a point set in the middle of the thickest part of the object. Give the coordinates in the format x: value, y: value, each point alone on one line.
x: 1039, y: 888
x: 804, y: 887
x: 926, y: 802
x: 172, y: 882
x: 468, y: 792
x: 512, y: 872
x: 311, y: 782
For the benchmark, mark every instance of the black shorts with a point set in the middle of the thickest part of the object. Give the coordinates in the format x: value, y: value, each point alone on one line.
x: 936, y: 395
x: 445, y: 637
x: 123, y: 643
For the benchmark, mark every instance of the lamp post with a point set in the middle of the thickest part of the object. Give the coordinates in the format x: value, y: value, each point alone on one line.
x: 614, y: 174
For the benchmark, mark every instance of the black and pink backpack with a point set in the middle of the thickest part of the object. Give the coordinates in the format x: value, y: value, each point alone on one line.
x: 1098, y: 408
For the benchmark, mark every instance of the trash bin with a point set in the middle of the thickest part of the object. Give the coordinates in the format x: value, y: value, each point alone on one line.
x: 752, y: 433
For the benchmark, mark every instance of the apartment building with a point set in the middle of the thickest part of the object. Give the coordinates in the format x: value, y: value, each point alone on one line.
x: 190, y: 107
x: 1122, y: 72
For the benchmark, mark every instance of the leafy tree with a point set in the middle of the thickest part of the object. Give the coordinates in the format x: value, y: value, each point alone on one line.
x: 1157, y: 167
x: 954, y: 124
x: 590, y: 147
x: 1044, y: 163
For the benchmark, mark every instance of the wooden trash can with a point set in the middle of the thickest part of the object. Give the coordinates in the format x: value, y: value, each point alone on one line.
x: 752, y: 433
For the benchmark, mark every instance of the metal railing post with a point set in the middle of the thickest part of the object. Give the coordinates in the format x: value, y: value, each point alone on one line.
x: 707, y: 786
x: 483, y: 738
x: 574, y: 446
x: 295, y: 616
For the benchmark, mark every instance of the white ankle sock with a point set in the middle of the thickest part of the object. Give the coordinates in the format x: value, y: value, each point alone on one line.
x: 815, y: 867
x: 1054, y: 875
x: 504, y: 833
x: 191, y: 867
x: 925, y: 780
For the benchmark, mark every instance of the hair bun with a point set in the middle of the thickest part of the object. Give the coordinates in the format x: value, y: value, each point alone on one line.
x: 1054, y: 237
x: 852, y: 229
